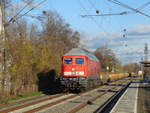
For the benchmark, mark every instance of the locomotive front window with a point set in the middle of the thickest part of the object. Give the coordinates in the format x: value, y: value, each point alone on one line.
x: 68, y: 61
x: 79, y: 61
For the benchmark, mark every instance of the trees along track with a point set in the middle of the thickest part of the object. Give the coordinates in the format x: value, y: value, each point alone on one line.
x: 63, y: 97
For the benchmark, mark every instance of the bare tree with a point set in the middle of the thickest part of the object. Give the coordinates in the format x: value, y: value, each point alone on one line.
x: 32, y: 51
x: 107, y: 59
x: 131, y: 67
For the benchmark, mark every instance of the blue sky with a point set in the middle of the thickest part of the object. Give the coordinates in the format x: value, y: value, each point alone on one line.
x: 99, y: 31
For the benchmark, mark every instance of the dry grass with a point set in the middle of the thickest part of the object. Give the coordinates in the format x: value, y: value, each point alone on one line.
x: 4, y: 98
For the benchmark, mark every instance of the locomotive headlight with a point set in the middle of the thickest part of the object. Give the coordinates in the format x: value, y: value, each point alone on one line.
x: 67, y: 73
x: 73, y: 69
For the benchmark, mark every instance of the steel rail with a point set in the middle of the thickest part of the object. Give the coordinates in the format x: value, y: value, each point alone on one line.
x: 47, y: 105
x: 74, y: 110
x: 50, y: 104
x: 58, y: 101
x: 67, y: 98
x: 29, y: 104
x: 109, y: 103
x: 39, y: 101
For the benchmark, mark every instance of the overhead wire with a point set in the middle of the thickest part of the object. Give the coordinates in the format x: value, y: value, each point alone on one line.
x: 91, y: 17
x: 32, y: 8
x: 140, y: 8
x: 35, y: 16
x: 9, y: 5
x: 133, y: 9
x: 96, y: 9
x: 110, y: 39
x: 113, y: 14
x: 124, y: 12
x: 14, y: 19
x: 128, y: 7
x: 121, y: 13
x: 92, y: 4
x: 143, y: 6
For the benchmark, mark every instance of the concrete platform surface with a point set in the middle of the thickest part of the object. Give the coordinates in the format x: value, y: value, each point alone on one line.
x: 144, y: 98
x: 128, y: 101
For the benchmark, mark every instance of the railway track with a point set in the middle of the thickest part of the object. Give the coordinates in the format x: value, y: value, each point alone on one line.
x: 74, y: 102
x: 65, y: 95
x: 29, y: 104
x: 104, y: 106
x: 109, y: 104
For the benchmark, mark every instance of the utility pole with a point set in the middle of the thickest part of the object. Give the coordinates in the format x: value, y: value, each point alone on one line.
x: 3, y: 47
x: 113, y: 65
x: 146, y: 52
x: 3, y: 3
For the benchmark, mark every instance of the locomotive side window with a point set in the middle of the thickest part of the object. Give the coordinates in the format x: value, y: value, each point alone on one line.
x: 68, y: 61
x: 79, y: 61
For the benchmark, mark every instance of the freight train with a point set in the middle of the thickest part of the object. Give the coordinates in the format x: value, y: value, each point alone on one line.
x: 80, y: 69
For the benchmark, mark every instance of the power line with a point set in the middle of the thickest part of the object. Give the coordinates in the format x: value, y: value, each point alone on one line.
x: 92, y: 4
x: 38, y: 17
x: 124, y: 12
x: 14, y: 19
x: 128, y: 7
x: 97, y: 11
x: 32, y: 9
x: 121, y: 13
x: 143, y: 6
x: 90, y: 17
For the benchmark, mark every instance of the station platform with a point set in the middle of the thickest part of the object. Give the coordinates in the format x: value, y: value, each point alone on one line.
x: 128, y: 101
x: 136, y: 99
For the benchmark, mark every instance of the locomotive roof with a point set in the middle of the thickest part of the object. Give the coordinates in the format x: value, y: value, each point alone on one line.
x: 79, y: 51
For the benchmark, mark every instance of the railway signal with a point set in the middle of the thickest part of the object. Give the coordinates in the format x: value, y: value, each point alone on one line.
x: 124, y: 35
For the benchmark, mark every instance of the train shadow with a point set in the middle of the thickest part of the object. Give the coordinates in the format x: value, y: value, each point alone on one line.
x: 116, y: 85
x: 47, y: 82
x: 110, y: 90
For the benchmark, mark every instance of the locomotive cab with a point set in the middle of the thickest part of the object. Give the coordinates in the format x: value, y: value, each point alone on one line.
x: 80, y: 69
x: 73, y: 66
x: 74, y: 71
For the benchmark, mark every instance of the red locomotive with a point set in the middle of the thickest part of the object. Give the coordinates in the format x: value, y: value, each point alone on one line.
x: 80, y: 69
